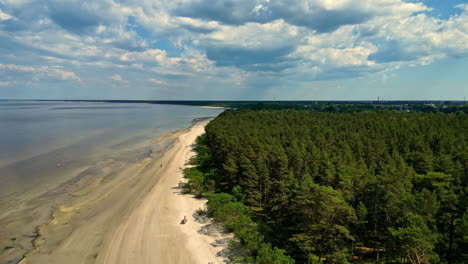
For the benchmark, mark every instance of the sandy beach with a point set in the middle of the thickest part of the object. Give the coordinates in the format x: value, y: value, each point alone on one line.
x: 132, y: 214
x: 213, y: 107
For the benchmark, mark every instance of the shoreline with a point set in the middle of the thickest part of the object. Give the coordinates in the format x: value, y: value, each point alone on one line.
x: 212, y: 107
x: 131, y: 215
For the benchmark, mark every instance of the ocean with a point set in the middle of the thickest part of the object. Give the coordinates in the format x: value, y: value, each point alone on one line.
x: 38, y: 140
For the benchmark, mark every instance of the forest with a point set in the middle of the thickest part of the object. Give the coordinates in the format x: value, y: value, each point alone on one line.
x: 301, y: 186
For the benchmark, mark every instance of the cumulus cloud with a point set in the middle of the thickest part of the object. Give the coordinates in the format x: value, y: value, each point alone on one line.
x: 80, y: 16
x: 319, y: 15
x: 118, y: 78
x: 419, y: 37
x: 4, y: 83
x: 157, y: 82
x: 38, y: 73
x: 252, y: 46
x: 4, y: 16
x: 222, y: 44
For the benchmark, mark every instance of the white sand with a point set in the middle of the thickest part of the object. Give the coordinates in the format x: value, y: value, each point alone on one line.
x: 132, y: 215
x: 153, y: 233
x: 213, y: 107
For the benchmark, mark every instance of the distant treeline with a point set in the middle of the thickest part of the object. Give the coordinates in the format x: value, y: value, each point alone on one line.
x: 322, y: 106
x: 350, y: 107
x: 361, y: 187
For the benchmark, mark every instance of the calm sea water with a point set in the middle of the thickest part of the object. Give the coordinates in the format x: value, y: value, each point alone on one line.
x: 41, y: 141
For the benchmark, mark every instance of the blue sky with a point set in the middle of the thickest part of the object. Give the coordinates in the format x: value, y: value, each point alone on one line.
x: 234, y: 49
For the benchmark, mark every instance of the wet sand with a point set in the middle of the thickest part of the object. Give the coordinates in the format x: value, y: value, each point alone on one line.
x: 127, y: 213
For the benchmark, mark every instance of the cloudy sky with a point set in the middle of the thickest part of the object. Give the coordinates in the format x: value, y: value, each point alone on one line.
x: 234, y: 49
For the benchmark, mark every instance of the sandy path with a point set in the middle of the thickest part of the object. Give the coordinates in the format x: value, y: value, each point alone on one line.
x: 132, y: 215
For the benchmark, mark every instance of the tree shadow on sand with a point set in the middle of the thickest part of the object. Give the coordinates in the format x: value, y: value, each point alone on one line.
x: 228, y: 245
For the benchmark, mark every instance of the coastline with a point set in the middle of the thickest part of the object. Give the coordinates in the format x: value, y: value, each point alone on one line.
x: 213, y: 107
x: 131, y: 214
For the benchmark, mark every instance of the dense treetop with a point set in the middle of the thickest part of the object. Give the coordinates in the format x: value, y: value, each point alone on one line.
x: 338, y: 187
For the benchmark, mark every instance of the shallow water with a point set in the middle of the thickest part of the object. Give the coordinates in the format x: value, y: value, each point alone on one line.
x: 38, y: 140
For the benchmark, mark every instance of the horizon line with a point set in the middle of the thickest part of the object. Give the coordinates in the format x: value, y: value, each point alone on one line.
x: 234, y: 101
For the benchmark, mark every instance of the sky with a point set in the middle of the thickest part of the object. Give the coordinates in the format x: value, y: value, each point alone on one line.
x: 234, y: 49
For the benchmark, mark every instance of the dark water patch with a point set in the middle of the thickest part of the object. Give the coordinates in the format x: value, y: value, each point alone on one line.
x: 202, y: 119
x: 96, y: 107
x: 24, y: 107
x: 25, y: 104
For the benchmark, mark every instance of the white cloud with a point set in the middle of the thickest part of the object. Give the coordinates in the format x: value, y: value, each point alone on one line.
x: 419, y: 37
x: 157, y: 82
x: 4, y: 16
x: 118, y: 78
x: 356, y: 56
x: 5, y: 83
x: 464, y: 7
x: 40, y: 72
x: 253, y: 35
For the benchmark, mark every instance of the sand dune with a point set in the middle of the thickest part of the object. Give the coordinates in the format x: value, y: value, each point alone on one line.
x: 132, y: 215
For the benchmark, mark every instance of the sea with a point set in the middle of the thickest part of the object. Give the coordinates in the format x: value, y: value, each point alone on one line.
x: 41, y: 143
